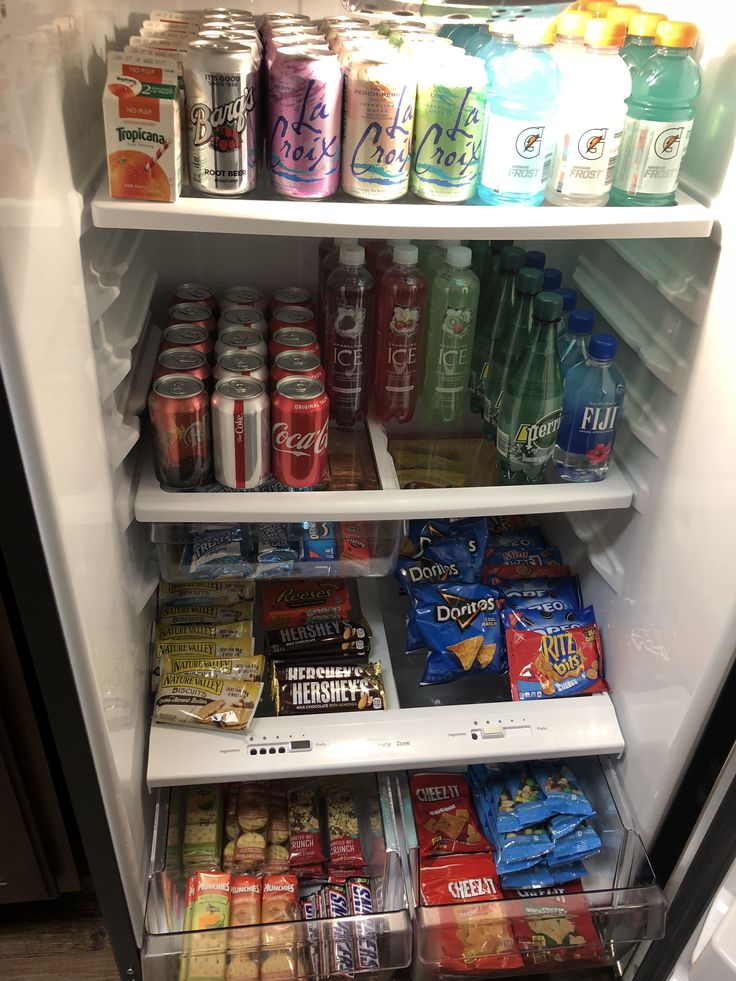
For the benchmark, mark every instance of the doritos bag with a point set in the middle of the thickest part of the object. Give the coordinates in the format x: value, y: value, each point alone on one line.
x: 444, y: 815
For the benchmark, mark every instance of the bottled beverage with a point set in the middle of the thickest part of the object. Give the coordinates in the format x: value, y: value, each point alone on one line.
x: 552, y: 278
x: 592, y: 112
x: 569, y: 48
x: 572, y: 343
x: 535, y: 260
x: 329, y: 263
x: 622, y: 13
x: 385, y: 258
x: 569, y: 302
x: 509, y: 344
x: 373, y: 248
x: 479, y: 39
x: 531, y: 406
x: 497, y: 301
x: 591, y: 412
x: 523, y: 87
x: 402, y: 299
x: 660, y: 117
x: 348, y: 323
x: 639, y: 42
x: 453, y: 307
x: 500, y: 41
x: 599, y: 8
x: 437, y: 258
x: 481, y: 250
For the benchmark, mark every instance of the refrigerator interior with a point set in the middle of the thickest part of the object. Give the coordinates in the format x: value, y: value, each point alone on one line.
x: 78, y: 312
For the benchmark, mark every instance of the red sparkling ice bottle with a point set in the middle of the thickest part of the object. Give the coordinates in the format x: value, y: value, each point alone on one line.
x: 402, y: 300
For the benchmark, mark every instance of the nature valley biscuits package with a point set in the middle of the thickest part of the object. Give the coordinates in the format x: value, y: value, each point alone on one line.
x: 230, y: 647
x: 237, y: 630
x: 219, y: 703
x: 543, y: 665
x: 238, y: 668
x: 444, y: 815
x: 172, y: 616
x: 218, y: 592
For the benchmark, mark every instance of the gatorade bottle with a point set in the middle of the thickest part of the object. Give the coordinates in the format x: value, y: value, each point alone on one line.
x: 521, y: 109
x: 500, y: 40
x: 568, y: 48
x: 640, y: 39
x: 660, y: 117
x: 592, y: 113
x: 529, y: 416
x: 552, y: 278
x: 535, y: 260
x: 622, y: 13
x: 569, y: 302
x: 572, y: 343
x: 599, y: 8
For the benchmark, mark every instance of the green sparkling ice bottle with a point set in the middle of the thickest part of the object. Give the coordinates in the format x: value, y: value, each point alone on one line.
x: 531, y: 406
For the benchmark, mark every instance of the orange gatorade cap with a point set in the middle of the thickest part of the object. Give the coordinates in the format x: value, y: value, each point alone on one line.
x: 623, y: 13
x: 599, y: 8
x: 645, y: 24
x: 604, y: 33
x: 572, y: 23
x: 676, y: 34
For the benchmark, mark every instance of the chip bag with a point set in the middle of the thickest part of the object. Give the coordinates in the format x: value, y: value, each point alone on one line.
x: 467, y: 535
x: 555, y: 665
x: 561, y: 788
x: 504, y: 522
x: 522, y: 570
x: 444, y: 815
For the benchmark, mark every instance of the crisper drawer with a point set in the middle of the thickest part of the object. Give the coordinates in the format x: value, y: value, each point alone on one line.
x: 375, y: 944
x: 594, y: 922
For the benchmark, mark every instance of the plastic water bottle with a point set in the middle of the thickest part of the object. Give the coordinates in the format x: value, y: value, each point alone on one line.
x: 573, y: 342
x: 640, y: 39
x: 531, y: 406
x: 453, y: 308
x: 660, y: 117
x: 591, y: 412
x: 569, y: 302
x: 535, y: 260
x: 521, y: 110
x: 552, y: 278
x: 592, y: 113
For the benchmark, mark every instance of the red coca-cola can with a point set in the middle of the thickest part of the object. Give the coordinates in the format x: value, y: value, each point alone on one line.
x: 240, y: 420
x: 192, y: 313
x: 241, y: 338
x: 194, y: 293
x: 183, y: 361
x: 294, y: 339
x: 179, y: 408
x: 241, y: 364
x: 292, y: 317
x: 242, y: 296
x: 292, y: 296
x: 192, y: 337
x: 243, y: 317
x: 291, y: 363
x: 300, y: 412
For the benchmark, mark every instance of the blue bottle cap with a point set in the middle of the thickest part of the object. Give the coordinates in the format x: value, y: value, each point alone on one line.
x: 552, y: 278
x: 569, y: 298
x: 602, y: 347
x: 536, y: 260
x: 581, y: 322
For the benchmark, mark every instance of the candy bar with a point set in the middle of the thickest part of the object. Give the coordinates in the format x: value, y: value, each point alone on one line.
x: 339, y: 935
x: 303, y: 601
x: 354, y: 542
x: 300, y: 689
x: 360, y: 901
x: 333, y: 636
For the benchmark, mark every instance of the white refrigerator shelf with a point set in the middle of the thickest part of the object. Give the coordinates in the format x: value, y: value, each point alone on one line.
x: 266, y: 214
x: 397, y: 739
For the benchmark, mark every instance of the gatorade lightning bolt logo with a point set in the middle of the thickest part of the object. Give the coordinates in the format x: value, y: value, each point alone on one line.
x: 592, y: 144
x: 667, y: 144
x: 529, y: 142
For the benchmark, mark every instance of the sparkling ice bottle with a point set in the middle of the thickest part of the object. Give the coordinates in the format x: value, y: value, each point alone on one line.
x: 572, y: 344
x: 591, y: 412
x: 348, y: 322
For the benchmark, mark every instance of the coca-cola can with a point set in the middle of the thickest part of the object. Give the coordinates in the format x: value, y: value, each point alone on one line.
x: 193, y: 337
x: 192, y: 313
x: 242, y: 296
x: 292, y: 317
x: 300, y: 411
x: 241, y: 339
x: 241, y: 364
x: 240, y: 420
x: 183, y: 361
x: 294, y: 339
x: 292, y: 296
x: 194, y: 293
x: 243, y: 317
x: 179, y: 408
x: 290, y: 363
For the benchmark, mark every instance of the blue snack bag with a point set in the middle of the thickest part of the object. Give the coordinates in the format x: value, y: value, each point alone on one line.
x: 560, y: 825
x: 542, y: 877
x: 562, y: 593
x: 562, y: 874
x: 529, y: 537
x: 522, y: 555
x: 547, y: 621
x: 463, y: 538
x: 581, y: 843
x: 518, y: 800
x: 561, y: 788
x: 435, y: 565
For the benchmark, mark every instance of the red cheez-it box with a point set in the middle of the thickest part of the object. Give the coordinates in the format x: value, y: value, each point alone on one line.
x: 553, y: 926
x: 300, y: 601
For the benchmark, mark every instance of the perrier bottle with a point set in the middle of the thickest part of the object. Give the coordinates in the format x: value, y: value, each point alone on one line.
x: 531, y: 406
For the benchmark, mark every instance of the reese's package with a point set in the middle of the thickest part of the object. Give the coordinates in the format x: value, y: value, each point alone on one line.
x: 300, y: 601
x: 444, y: 815
x: 543, y: 665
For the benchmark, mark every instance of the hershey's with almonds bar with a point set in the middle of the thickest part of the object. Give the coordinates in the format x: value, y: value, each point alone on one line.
x: 333, y: 636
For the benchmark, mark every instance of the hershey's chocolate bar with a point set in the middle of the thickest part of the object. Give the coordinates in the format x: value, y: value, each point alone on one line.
x: 344, y: 636
x: 347, y: 686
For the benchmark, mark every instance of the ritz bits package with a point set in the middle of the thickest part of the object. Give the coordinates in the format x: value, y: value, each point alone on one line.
x: 142, y: 127
x: 543, y: 665
x: 444, y: 815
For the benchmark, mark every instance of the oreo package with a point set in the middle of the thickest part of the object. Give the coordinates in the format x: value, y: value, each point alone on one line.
x: 528, y: 537
x: 538, y: 593
x: 547, y: 621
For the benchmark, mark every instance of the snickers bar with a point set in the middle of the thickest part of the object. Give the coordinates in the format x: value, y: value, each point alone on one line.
x: 360, y: 901
x: 339, y: 935
x: 328, y: 636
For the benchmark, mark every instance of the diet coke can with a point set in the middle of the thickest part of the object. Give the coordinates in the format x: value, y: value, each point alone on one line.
x: 191, y: 313
x: 240, y: 420
x: 292, y: 317
x: 293, y: 339
x: 241, y: 364
x: 292, y: 296
x: 192, y: 337
x: 241, y: 339
x: 194, y: 293
x: 179, y: 409
x: 243, y: 317
x: 290, y: 363
x: 242, y: 296
x: 183, y: 361
x: 300, y: 410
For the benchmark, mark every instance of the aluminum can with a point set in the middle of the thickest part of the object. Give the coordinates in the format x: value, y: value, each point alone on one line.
x: 292, y: 317
x: 290, y: 363
x: 221, y: 84
x: 241, y: 364
x: 194, y: 293
x: 179, y: 408
x: 243, y: 317
x: 243, y: 296
x: 183, y: 361
x: 241, y: 339
x: 241, y: 430
x: 304, y: 86
x: 294, y: 339
x: 190, y: 336
x: 192, y: 314
x: 300, y: 412
x: 291, y: 296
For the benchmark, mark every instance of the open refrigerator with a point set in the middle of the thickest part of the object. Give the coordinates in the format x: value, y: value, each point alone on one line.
x: 84, y: 282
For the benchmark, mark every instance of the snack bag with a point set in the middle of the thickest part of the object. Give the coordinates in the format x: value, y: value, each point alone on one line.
x: 519, y: 801
x: 522, y: 555
x: 552, y: 666
x: 555, y: 926
x: 561, y: 788
x: 458, y: 879
x: 547, y: 621
x: 444, y: 815
x: 343, y: 830
x: 305, y: 835
x: 172, y: 616
x: 560, y: 825
x: 551, y: 594
x: 469, y: 534
x: 279, y: 906
x: 219, y: 703
x: 505, y: 522
x: 526, y: 537
x: 211, y: 593
x: 523, y: 570
x: 434, y: 566
x: 578, y: 845
x: 461, y: 626
x: 217, y: 552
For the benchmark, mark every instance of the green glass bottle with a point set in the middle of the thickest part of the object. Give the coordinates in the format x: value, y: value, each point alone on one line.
x: 531, y: 405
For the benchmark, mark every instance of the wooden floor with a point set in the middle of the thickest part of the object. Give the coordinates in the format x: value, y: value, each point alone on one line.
x: 59, y: 940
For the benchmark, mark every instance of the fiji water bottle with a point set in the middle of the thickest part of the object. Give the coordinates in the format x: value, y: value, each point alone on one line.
x: 660, y: 117
x: 552, y: 278
x: 569, y: 302
x: 521, y: 111
x: 572, y: 344
x: 591, y: 412
x: 640, y: 39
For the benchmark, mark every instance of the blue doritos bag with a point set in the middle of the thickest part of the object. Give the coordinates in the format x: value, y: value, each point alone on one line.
x: 527, y: 537
x: 464, y: 537
x: 579, y: 844
x: 547, y: 621
x: 552, y: 595
x: 522, y: 555
x: 561, y: 788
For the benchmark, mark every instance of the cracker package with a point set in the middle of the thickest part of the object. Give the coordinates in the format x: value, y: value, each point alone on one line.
x: 245, y: 911
x: 554, y: 926
x: 202, y: 838
x: 343, y: 829
x: 279, y: 909
x: 218, y: 703
x: 545, y: 665
x: 444, y: 815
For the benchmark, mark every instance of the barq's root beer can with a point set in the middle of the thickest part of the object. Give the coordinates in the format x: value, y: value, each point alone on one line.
x: 179, y: 409
x: 240, y: 420
x: 300, y: 414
